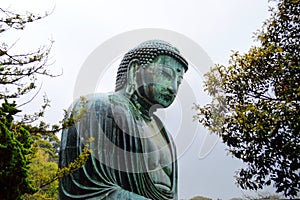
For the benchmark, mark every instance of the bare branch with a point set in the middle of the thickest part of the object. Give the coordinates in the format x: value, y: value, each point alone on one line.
x: 31, y: 97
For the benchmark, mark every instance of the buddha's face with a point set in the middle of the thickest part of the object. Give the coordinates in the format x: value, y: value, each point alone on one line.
x: 158, y: 82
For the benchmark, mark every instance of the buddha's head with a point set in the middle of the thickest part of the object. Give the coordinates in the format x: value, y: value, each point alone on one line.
x: 152, y: 72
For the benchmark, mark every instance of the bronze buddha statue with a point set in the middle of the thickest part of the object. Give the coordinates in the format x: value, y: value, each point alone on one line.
x: 133, y: 156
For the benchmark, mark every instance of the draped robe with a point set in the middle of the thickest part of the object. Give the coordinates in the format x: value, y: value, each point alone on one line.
x: 118, y: 167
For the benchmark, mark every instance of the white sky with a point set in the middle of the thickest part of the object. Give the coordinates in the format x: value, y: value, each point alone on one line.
x: 78, y: 27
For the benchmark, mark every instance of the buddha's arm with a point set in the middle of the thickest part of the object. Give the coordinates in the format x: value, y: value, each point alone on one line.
x: 125, y: 195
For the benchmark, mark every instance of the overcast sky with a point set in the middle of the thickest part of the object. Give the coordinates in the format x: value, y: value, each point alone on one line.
x: 79, y: 27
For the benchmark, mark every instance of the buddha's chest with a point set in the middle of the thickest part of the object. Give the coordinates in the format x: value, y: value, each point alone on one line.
x: 158, y: 155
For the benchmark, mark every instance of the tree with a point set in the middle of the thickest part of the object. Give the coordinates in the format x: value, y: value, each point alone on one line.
x: 43, y: 166
x: 14, y: 147
x: 262, y: 196
x: 18, y: 73
x: 255, y: 105
x: 28, y: 144
x: 200, y: 198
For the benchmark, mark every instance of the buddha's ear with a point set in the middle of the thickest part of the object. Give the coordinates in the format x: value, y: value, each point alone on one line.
x: 133, y: 66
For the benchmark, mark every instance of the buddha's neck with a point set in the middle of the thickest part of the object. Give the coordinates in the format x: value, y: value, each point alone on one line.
x: 143, y: 106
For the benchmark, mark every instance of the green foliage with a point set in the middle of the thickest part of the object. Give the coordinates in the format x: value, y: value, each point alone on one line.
x: 16, y: 21
x: 256, y: 104
x: 43, y: 164
x: 15, y: 143
x: 41, y: 168
x: 28, y: 148
x: 76, y: 164
x: 200, y: 198
x: 263, y: 196
x: 18, y: 72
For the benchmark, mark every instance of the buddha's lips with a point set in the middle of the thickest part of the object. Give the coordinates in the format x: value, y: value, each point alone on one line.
x: 163, y: 94
x: 167, y: 96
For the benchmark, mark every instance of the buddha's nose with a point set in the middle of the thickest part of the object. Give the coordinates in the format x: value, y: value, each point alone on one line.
x: 173, y: 88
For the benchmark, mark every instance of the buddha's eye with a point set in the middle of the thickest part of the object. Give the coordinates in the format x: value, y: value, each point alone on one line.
x: 179, y: 70
x: 166, y: 73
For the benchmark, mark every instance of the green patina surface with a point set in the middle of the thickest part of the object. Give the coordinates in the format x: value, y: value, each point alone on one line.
x: 133, y: 156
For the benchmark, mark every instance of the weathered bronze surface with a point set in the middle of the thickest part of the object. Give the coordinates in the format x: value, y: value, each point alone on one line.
x: 133, y: 156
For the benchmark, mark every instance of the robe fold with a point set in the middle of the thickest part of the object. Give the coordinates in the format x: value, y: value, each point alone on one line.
x: 118, y: 167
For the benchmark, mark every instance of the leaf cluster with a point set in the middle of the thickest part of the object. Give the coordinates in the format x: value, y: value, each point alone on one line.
x: 255, y: 104
x: 15, y: 143
x: 19, y: 72
x: 29, y: 146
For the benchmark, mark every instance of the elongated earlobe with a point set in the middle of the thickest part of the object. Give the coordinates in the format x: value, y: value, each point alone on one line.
x: 131, y: 76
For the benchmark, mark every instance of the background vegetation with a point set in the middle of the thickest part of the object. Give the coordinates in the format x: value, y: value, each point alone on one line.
x: 255, y: 105
x: 28, y: 146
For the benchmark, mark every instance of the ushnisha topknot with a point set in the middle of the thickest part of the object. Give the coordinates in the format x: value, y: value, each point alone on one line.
x: 146, y: 52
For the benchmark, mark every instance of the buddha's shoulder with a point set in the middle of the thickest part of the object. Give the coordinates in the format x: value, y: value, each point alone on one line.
x: 102, y: 101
